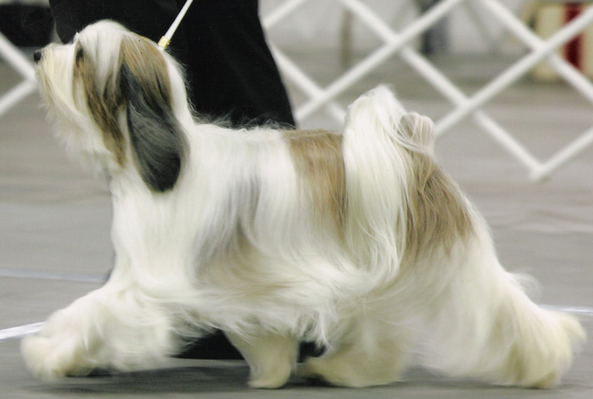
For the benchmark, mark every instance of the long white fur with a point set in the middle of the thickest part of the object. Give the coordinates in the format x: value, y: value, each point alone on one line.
x: 234, y: 245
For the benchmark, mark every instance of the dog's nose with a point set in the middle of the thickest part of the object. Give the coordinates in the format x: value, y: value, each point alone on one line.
x: 37, y: 56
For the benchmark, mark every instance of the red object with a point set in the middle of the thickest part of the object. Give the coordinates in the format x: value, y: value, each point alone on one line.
x: 573, y: 50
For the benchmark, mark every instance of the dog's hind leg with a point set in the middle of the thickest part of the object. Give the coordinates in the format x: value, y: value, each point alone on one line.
x: 486, y: 327
x: 271, y: 357
x: 367, y: 358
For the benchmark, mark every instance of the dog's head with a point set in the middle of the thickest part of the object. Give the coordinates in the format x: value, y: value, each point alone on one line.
x: 117, y: 100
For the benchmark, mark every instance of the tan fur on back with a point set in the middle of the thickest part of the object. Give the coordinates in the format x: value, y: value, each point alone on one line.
x: 320, y: 165
x: 438, y: 214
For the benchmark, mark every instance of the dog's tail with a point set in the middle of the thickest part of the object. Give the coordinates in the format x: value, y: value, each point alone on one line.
x: 379, y: 138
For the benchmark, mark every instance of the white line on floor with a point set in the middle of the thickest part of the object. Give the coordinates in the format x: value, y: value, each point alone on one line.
x: 28, y: 329
x: 41, y: 275
x: 571, y: 309
x: 19, y: 332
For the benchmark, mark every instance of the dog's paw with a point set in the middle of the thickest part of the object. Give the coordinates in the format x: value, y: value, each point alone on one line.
x: 50, y: 358
x: 271, y: 378
x: 269, y: 381
x: 339, y: 371
x: 314, y: 370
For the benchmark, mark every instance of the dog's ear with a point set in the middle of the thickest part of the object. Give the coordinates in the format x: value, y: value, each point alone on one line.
x: 103, y: 100
x: 156, y: 136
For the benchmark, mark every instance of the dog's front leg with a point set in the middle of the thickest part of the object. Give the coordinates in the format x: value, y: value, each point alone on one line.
x: 67, y: 344
x: 109, y: 328
x: 271, y: 357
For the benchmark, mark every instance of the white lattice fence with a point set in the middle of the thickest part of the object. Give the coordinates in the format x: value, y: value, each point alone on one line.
x: 394, y: 42
x: 24, y: 67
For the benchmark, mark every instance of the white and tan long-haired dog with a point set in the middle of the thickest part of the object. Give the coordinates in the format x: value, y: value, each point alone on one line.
x: 358, y: 241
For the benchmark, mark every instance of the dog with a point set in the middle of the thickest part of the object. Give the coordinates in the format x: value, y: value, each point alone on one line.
x: 358, y: 241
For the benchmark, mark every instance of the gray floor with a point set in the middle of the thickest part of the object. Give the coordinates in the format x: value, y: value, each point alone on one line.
x: 54, y: 232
